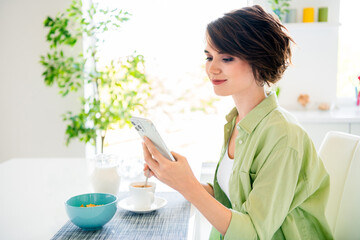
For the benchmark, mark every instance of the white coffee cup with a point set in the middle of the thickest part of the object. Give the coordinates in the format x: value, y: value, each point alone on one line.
x: 142, y: 197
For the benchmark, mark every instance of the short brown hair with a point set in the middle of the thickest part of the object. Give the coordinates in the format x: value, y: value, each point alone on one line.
x: 254, y: 36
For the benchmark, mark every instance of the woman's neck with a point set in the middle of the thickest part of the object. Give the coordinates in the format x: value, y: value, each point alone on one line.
x: 246, y: 102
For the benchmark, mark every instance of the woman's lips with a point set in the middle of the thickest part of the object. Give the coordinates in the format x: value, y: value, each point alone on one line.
x: 217, y: 81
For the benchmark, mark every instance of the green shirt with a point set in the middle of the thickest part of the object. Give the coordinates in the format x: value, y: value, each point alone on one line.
x: 278, y: 184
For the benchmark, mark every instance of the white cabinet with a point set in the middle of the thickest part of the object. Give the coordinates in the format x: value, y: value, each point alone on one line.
x: 317, y: 131
x: 318, y: 123
x: 355, y: 128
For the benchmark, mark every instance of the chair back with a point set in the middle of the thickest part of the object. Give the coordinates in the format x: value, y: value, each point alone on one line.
x: 340, y: 153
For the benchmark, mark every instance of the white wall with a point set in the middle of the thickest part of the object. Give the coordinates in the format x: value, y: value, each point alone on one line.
x: 30, y: 112
x: 314, y: 69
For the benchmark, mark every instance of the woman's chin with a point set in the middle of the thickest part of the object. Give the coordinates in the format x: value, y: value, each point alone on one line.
x: 221, y: 93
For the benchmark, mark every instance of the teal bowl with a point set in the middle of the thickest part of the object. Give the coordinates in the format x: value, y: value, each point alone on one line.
x: 91, y: 218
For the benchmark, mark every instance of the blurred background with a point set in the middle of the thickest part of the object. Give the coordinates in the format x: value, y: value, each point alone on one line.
x: 171, y: 37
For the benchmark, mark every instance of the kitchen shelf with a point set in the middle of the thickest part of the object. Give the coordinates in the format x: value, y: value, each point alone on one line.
x: 313, y: 25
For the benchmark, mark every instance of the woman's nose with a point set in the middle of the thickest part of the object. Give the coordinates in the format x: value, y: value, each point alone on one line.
x: 213, y: 68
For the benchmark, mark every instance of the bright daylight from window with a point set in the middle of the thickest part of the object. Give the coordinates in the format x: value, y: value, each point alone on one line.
x: 171, y: 36
x: 349, y: 49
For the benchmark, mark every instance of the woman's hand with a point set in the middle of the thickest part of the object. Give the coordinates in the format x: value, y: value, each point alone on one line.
x: 177, y: 175
x: 147, y: 172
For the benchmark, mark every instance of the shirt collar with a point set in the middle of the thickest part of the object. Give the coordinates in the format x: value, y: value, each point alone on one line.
x: 258, y: 113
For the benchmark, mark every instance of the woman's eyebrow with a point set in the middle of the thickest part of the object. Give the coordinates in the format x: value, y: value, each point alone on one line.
x: 221, y: 52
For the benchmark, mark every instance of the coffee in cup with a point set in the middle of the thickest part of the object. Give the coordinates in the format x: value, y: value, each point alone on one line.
x: 142, y: 196
x: 142, y: 186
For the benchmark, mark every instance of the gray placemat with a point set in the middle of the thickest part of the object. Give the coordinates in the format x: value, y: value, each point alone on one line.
x: 169, y: 222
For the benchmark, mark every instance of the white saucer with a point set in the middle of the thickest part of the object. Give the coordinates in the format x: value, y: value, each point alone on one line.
x: 126, y: 204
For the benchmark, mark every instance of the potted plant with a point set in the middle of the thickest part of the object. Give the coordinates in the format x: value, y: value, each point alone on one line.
x: 117, y: 89
x: 280, y: 7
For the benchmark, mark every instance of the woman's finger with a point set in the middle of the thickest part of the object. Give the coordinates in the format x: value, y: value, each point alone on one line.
x: 153, y: 151
x: 152, y: 164
x: 146, y: 167
x: 177, y: 156
x: 148, y: 173
x: 147, y: 170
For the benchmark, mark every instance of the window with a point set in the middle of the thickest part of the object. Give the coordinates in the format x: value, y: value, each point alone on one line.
x: 171, y: 36
x: 349, y: 49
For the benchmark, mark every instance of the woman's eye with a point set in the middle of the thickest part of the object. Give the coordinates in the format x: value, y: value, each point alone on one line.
x: 228, y: 59
x: 208, y: 58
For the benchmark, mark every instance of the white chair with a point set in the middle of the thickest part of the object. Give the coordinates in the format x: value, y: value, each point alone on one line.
x: 340, y: 153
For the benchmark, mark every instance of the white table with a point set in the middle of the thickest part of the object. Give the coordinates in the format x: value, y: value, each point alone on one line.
x: 33, y: 192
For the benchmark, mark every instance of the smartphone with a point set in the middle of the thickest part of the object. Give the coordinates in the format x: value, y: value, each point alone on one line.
x: 146, y: 128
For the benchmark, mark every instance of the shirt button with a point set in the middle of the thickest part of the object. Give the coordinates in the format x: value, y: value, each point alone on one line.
x: 240, y: 141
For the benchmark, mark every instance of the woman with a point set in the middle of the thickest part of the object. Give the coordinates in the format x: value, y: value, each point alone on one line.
x: 270, y: 182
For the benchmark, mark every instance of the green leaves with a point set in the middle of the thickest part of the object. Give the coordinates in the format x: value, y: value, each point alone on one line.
x: 277, y: 91
x: 67, y: 72
x: 120, y: 87
x: 59, y: 33
x: 123, y: 88
x: 78, y: 127
x: 280, y: 7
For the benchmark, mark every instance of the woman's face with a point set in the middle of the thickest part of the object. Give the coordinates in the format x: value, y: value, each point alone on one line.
x: 229, y: 75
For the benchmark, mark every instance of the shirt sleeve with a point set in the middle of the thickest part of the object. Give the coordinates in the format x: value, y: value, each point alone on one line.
x: 270, y: 198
